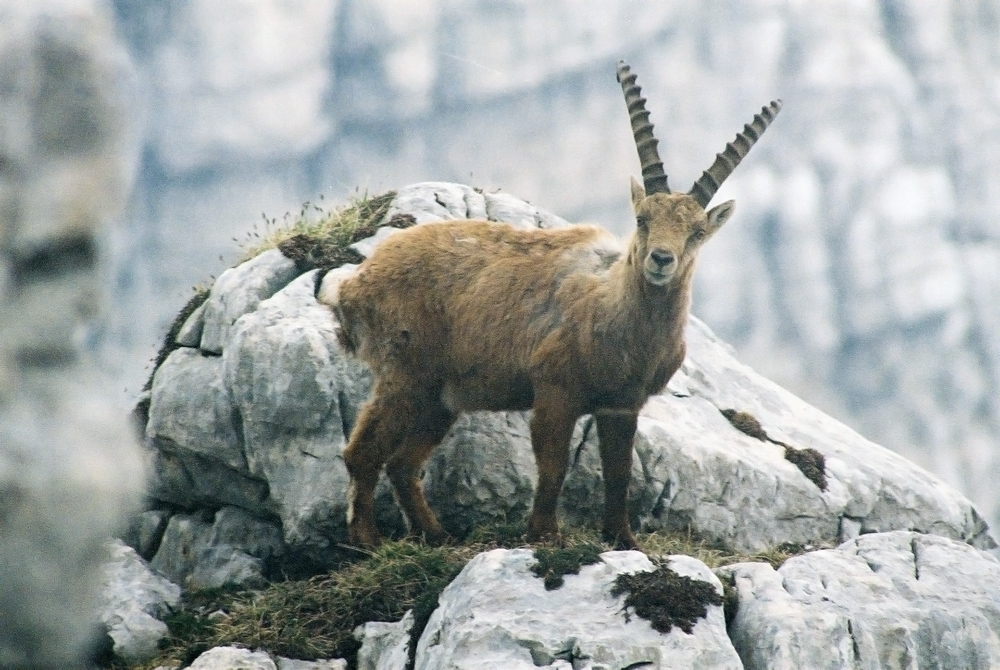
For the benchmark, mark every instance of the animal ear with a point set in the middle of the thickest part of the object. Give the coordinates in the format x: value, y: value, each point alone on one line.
x: 719, y: 214
x: 638, y: 193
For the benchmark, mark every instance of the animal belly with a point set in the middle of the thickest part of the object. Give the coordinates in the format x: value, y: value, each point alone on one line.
x: 476, y: 391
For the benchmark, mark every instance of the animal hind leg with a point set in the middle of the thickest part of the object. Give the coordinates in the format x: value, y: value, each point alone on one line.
x: 405, y: 467
x: 615, y: 434
x: 380, y: 428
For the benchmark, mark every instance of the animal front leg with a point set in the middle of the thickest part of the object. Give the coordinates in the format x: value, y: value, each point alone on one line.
x: 551, y: 430
x: 615, y: 433
x: 405, y: 466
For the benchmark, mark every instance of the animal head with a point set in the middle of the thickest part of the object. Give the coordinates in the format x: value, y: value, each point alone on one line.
x: 671, y: 227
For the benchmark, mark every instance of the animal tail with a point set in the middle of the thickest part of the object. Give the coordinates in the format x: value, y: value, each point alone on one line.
x: 328, y: 294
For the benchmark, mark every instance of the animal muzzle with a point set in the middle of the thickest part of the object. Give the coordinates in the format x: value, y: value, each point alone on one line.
x: 660, y: 266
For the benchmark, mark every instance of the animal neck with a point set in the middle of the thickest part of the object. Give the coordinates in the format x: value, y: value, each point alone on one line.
x: 649, y: 312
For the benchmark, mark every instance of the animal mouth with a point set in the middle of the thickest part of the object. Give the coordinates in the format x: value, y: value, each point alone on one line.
x: 657, y: 277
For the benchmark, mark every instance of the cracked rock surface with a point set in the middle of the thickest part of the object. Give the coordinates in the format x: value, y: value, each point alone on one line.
x: 888, y: 600
x: 275, y: 406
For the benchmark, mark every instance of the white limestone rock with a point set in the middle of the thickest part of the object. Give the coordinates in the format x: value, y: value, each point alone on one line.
x: 233, y: 549
x: 233, y: 658
x: 292, y: 664
x: 385, y: 645
x: 183, y: 539
x: 888, y: 600
x: 134, y: 600
x: 297, y: 396
x: 191, y: 410
x: 437, y: 201
x: 498, y: 614
x: 714, y: 477
x: 190, y: 333
x: 239, y: 290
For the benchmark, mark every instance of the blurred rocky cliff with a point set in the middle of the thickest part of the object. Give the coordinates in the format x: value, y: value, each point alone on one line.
x: 859, y: 271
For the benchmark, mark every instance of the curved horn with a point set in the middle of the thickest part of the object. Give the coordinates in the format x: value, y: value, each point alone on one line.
x: 653, y: 176
x: 711, y: 179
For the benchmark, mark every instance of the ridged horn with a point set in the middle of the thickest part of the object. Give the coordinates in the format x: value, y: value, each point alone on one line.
x: 653, y: 176
x: 711, y: 179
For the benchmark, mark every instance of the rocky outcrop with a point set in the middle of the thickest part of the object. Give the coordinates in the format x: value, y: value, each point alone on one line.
x: 889, y: 600
x: 261, y: 428
x: 385, y: 645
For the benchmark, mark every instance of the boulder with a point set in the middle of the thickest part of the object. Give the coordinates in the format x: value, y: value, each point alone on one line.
x: 290, y: 664
x: 234, y: 548
x: 888, y: 600
x: 134, y: 599
x: 233, y: 658
x: 498, y: 614
x: 190, y: 410
x: 385, y: 645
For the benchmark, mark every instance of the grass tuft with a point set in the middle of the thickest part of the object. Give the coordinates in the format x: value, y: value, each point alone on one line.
x: 318, y: 238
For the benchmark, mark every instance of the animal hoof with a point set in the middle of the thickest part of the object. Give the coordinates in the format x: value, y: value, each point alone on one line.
x: 622, y: 541
x: 435, y: 538
x: 550, y: 537
x: 366, y: 538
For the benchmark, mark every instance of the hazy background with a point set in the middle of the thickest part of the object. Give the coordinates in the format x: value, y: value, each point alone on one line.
x: 862, y: 269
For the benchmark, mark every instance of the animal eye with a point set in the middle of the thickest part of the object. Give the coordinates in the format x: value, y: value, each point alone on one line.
x: 642, y: 221
x: 698, y: 235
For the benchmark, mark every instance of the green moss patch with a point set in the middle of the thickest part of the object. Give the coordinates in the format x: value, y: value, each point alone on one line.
x: 665, y: 598
x: 810, y: 462
x: 554, y: 562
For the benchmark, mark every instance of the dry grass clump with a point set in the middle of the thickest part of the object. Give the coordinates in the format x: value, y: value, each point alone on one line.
x: 667, y: 543
x: 315, y: 618
x: 319, y: 238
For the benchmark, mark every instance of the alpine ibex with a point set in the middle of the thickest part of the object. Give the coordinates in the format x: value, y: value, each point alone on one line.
x: 474, y: 315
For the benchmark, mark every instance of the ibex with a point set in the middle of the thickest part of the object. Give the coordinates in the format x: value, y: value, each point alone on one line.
x: 474, y: 315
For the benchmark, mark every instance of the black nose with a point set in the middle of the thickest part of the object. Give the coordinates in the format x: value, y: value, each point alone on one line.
x: 661, y: 258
